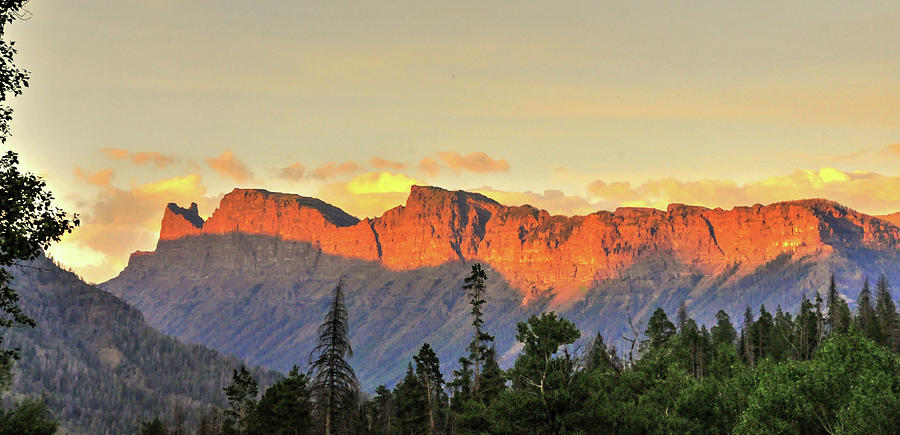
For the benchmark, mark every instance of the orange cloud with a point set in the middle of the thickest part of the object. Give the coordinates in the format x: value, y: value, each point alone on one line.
x: 100, y: 178
x: 292, y: 172
x: 380, y: 163
x: 227, y: 165
x: 430, y: 167
x: 474, y: 162
x: 332, y: 170
x: 118, y: 222
x: 140, y: 158
x: 369, y: 194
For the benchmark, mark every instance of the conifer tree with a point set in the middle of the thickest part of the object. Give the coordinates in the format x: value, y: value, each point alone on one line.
x: 886, y: 314
x: 782, y: 335
x: 599, y: 356
x: 682, y: 316
x: 820, y: 321
x: 428, y: 370
x: 285, y: 407
x: 762, y: 333
x: 807, y: 332
x: 723, y: 331
x: 412, y: 413
x: 241, y: 395
x: 659, y: 329
x: 334, y: 383
x: 383, y: 411
x: 838, y: 320
x: 747, y: 348
x: 865, y: 317
x: 474, y: 285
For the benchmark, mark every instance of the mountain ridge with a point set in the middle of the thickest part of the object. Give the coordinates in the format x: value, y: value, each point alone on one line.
x: 537, y: 251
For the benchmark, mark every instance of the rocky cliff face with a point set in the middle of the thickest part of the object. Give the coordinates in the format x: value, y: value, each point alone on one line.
x: 533, y: 250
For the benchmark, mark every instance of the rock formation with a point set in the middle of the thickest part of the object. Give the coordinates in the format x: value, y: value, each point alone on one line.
x: 534, y: 250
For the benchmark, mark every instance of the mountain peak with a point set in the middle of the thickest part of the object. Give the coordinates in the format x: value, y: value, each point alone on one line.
x: 262, y: 197
x: 431, y: 195
x: 179, y: 222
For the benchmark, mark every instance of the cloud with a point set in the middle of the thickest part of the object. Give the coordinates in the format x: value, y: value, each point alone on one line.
x: 475, y: 162
x: 554, y: 201
x: 227, y: 165
x: 293, y: 172
x: 380, y: 182
x: 429, y: 167
x: 868, y: 192
x: 117, y: 222
x: 369, y: 194
x: 140, y: 158
x: 100, y: 178
x: 380, y: 163
x: 331, y: 170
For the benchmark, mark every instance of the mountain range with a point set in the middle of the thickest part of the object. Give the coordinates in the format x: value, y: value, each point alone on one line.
x: 255, y: 278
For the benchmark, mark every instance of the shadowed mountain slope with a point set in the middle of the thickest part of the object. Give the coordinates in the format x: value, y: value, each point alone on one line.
x: 99, y: 366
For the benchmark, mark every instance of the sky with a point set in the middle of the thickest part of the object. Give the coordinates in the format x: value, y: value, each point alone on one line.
x: 572, y: 107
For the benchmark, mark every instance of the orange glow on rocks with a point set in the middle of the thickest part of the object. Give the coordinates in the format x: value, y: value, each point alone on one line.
x: 533, y: 250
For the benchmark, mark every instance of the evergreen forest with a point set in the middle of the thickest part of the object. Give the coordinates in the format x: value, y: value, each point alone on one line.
x: 824, y: 369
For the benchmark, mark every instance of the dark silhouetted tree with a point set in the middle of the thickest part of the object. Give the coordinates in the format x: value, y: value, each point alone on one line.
x: 428, y: 370
x: 412, y: 411
x: 886, y: 314
x: 383, y: 411
x: 474, y: 285
x: 334, y: 383
x: 865, y: 314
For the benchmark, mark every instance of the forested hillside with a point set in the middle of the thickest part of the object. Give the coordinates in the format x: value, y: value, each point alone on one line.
x: 99, y: 366
x: 823, y: 369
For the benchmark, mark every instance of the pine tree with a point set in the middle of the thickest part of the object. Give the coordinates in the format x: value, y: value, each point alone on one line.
x: 723, y: 331
x: 865, y: 318
x: 383, y: 412
x: 241, y: 395
x: 285, y: 407
x: 598, y: 356
x: 838, y: 320
x: 428, y: 370
x: 832, y: 305
x: 682, y: 316
x: 747, y: 348
x: 782, y: 336
x: 820, y: 321
x: 659, y: 329
x: 412, y: 412
x: 474, y: 285
x: 334, y: 383
x: 762, y: 333
x: 807, y: 332
x: 886, y: 314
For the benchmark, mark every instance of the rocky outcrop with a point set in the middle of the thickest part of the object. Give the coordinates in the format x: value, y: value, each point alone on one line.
x: 180, y: 222
x: 534, y: 250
